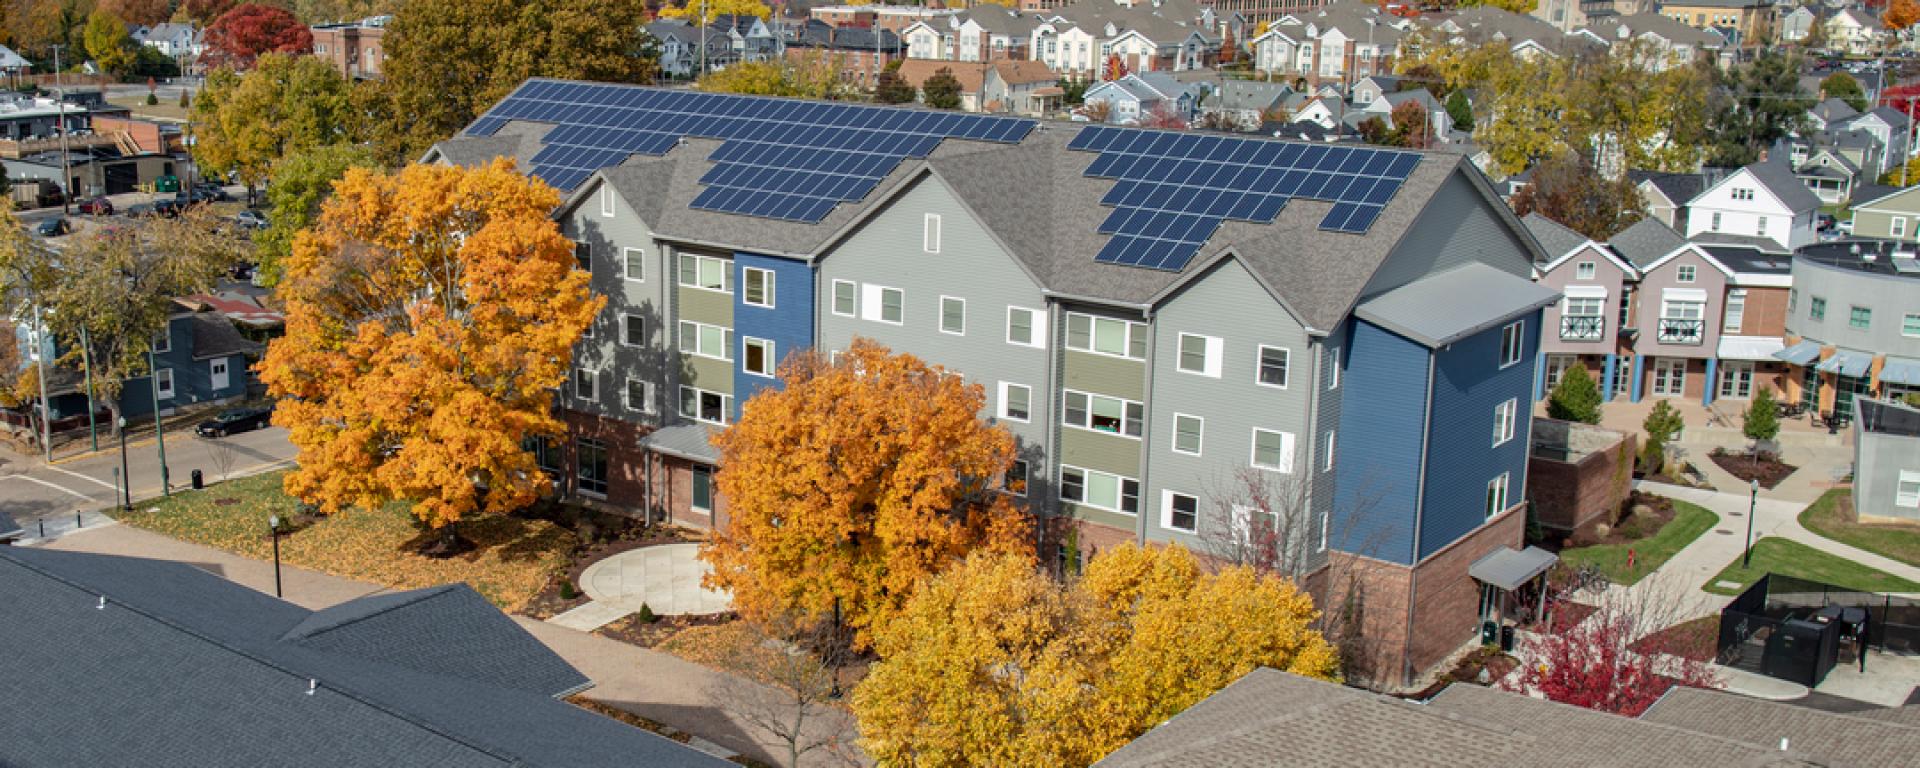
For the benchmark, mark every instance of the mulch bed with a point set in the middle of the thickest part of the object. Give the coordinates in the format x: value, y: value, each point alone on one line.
x: 1492, y: 660
x: 602, y: 536
x: 1567, y: 614
x: 1640, y: 515
x: 1694, y: 639
x: 633, y: 631
x: 1765, y: 468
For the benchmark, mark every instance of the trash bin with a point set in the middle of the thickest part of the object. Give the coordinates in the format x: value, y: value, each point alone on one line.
x: 198, y: 482
x: 1506, y: 639
x: 1489, y: 633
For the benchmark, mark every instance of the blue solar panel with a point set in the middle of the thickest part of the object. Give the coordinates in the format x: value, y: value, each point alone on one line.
x: 779, y: 158
x: 1172, y: 190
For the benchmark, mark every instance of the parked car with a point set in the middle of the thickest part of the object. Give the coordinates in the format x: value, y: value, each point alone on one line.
x: 212, y: 191
x: 1823, y: 222
x: 1844, y: 227
x: 140, y: 211
x: 97, y: 206
x: 168, y: 208
x: 193, y: 196
x: 251, y: 219
x: 241, y: 271
x: 234, y: 420
x: 53, y: 227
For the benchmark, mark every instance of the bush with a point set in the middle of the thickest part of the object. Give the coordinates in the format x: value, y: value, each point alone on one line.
x: 1575, y: 398
x: 567, y: 592
x: 1662, y: 424
x: 1761, y: 422
x: 647, y: 615
x: 186, y: 99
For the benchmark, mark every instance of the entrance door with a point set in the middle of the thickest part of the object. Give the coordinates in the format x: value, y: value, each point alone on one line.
x: 1846, y: 388
x: 1670, y: 376
x: 219, y: 374
x: 1736, y: 379
x: 1810, y: 390
x: 1557, y: 366
x: 1622, y: 375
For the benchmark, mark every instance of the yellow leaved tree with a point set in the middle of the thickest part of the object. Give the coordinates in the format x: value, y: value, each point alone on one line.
x: 693, y: 11
x: 994, y: 663
x: 430, y: 313
x: 853, y: 482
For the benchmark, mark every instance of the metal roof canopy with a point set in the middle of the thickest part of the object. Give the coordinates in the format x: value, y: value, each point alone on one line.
x: 1508, y: 568
x: 1847, y: 362
x: 1443, y: 308
x: 1901, y: 370
x: 1801, y: 353
x: 692, y: 442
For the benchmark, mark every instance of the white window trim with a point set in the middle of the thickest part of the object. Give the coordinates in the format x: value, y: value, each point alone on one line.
x: 1088, y: 427
x: 873, y: 304
x: 1092, y: 320
x: 1214, y: 350
x: 942, y: 320
x: 726, y: 275
x: 726, y: 404
x: 626, y: 265
x: 1505, y: 482
x: 726, y: 338
x: 163, y: 380
x: 1120, y: 486
x: 1585, y: 270
x: 1910, y: 319
x: 1201, y: 450
x: 1166, y: 511
x: 1686, y: 273
x: 773, y: 362
x: 606, y: 200
x: 1327, y: 445
x: 930, y: 233
x: 162, y: 341
x: 1287, y: 456
x: 1519, y: 328
x: 1037, y: 322
x: 833, y: 302
x: 626, y: 316
x: 1906, y: 476
x: 593, y: 383
x: 1503, y: 430
x: 1897, y: 226
x: 646, y: 395
x: 1333, y: 373
x: 1259, y: 358
x: 1002, y: 410
x: 743, y: 287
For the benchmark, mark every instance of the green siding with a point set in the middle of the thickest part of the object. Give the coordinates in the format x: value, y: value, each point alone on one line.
x: 1113, y: 376
x: 1100, y: 516
x: 709, y: 374
x: 1107, y: 453
x: 704, y: 306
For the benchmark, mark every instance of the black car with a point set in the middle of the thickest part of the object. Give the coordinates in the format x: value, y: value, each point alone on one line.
x: 53, y: 227
x: 233, y: 420
x: 168, y: 208
x: 212, y: 192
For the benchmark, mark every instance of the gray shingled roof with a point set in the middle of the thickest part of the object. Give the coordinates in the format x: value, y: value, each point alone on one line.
x: 1646, y: 241
x: 1833, y: 739
x: 1780, y: 179
x: 215, y: 336
x: 1833, y: 110
x: 182, y: 668
x: 518, y: 140
x: 1569, y: 735
x: 1677, y: 187
x: 1554, y: 237
x: 1443, y: 308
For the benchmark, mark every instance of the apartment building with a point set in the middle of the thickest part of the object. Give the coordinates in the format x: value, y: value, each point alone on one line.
x: 1748, y: 22
x: 1853, y: 324
x: 1148, y: 316
x: 354, y: 48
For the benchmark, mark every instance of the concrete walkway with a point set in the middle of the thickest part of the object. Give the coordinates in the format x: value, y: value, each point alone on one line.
x: 666, y: 579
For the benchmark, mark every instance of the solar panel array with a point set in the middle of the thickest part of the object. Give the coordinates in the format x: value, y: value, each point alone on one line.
x: 782, y: 158
x: 1174, y: 189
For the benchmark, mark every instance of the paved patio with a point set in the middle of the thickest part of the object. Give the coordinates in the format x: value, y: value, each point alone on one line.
x: 666, y: 579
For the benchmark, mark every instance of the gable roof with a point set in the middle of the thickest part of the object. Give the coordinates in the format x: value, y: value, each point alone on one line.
x: 1837, y: 739
x: 1646, y: 242
x: 1883, y: 198
x: 971, y: 74
x: 1555, y: 238
x: 215, y: 336
x: 1022, y: 72
x: 1834, y: 109
x: 1678, y: 188
x: 1779, y: 181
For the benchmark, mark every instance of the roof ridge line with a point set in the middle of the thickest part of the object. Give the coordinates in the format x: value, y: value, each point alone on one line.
x: 423, y: 594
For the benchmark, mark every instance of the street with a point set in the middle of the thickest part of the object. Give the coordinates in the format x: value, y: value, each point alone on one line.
x: 31, y: 491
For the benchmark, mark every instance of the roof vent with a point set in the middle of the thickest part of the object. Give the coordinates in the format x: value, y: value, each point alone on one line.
x: 103, y: 604
x: 312, y: 685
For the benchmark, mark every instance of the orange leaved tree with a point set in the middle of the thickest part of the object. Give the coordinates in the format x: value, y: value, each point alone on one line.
x: 430, y: 313
x: 854, y: 481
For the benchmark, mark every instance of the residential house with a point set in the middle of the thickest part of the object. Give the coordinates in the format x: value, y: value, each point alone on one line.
x: 1666, y: 194
x: 1830, y: 112
x: 1330, y: 113
x: 1336, y: 43
x: 1658, y: 42
x: 354, y: 48
x: 13, y: 64
x: 1798, y: 24
x: 1862, y: 149
x: 1137, y: 97
x: 853, y: 52
x: 893, y: 18
x: 1524, y: 35
x: 1368, y: 89
x: 1592, y: 324
x: 748, y: 36
x: 971, y: 75
x: 1164, y: 35
x: 1829, y: 175
x: 1023, y: 88
x: 1564, y: 15
x: 1134, y: 372
x: 174, y: 41
x: 200, y: 359
x: 1245, y: 104
x: 1891, y: 216
x: 1886, y: 461
x: 1439, y: 124
x: 1888, y: 126
x: 1761, y: 200
x: 434, y: 676
x: 1856, y: 31
x: 681, y: 48
x: 1743, y: 22
x: 1853, y: 324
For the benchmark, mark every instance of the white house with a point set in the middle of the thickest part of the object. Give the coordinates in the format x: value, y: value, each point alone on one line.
x: 1888, y: 126
x: 1795, y: 25
x: 1763, y: 200
x: 170, y: 39
x: 1855, y: 31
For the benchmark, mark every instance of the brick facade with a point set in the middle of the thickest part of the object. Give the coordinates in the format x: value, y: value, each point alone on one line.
x: 626, y: 481
x: 1570, y: 494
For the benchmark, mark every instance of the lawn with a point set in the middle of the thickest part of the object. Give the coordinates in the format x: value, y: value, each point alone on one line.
x: 511, y: 561
x: 1791, y: 558
x: 1689, y: 521
x: 1832, y: 516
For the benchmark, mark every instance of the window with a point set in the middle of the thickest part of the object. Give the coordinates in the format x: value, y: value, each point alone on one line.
x: 1817, y: 309
x: 758, y: 287
x: 882, y: 304
x: 1273, y: 450
x: 1742, y: 193
x: 1333, y: 368
x: 706, y: 273
x: 1899, y: 226
x: 1187, y: 431
x: 953, y: 315
x: 1511, y: 339
x: 710, y: 341
x: 1583, y: 317
x: 1736, y: 315
x: 701, y: 405
x: 1200, y: 354
x: 583, y: 255
x: 843, y: 297
x: 1016, y: 402
x: 583, y: 384
x: 162, y: 342
x: 1859, y: 317
x: 930, y: 235
x: 1106, y: 336
x: 1497, y: 495
x: 760, y: 358
x: 1326, y: 451
x: 1100, y: 490
x: 1272, y: 371
x: 163, y: 381
x: 1681, y: 322
x: 1760, y: 226
x: 1670, y: 376
x: 606, y: 201
x: 1557, y: 366
x: 590, y: 466
x: 1715, y: 226
x: 702, y: 488
x: 1179, y: 511
x: 1583, y: 271
x: 634, y: 261
x: 1023, y: 327
x: 1736, y: 379
x: 1626, y: 306
x: 1907, y: 492
x: 633, y: 331
x: 1016, y: 479
x: 1504, y: 416
x: 639, y: 396
x: 1910, y: 324
x: 1686, y: 273
x: 1100, y: 413
x: 1793, y: 298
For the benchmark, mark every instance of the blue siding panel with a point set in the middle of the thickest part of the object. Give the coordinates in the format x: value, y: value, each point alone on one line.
x: 788, y: 324
x: 1468, y: 385
x: 1377, y: 450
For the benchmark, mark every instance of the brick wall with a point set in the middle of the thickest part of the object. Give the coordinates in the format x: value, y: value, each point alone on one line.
x: 144, y: 134
x: 1447, y: 600
x: 1568, y: 495
x: 626, y: 482
x: 673, y: 496
x: 1766, y: 312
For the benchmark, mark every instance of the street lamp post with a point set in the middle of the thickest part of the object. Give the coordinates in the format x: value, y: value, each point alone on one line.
x: 159, y: 424
x: 273, y: 529
x: 1753, y: 502
x: 126, y: 479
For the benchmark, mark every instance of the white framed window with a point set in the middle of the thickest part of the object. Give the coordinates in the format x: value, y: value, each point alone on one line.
x: 1273, y: 450
x: 1898, y: 226
x: 1670, y: 376
x: 583, y: 255
x: 1742, y: 193
x: 1026, y: 327
x: 1200, y: 354
x: 639, y: 396
x: 760, y: 360
x: 1512, y: 339
x: 1016, y: 402
x: 709, y: 341
x: 1326, y: 451
x: 882, y: 304
x: 584, y: 384
x: 1333, y: 368
x: 162, y: 341
x: 606, y: 200
x: 163, y: 380
x: 1179, y: 511
x: 590, y: 467
x: 705, y: 406
x: 756, y: 287
x: 1715, y: 226
x: 633, y: 263
x: 1187, y: 433
x: 1910, y: 325
x: 1736, y: 312
x: 1497, y: 495
x: 1760, y: 226
x: 1504, y: 416
x: 1106, y: 336
x: 930, y: 234
x: 1686, y: 273
x: 1017, y: 477
x: 953, y: 315
x: 1100, y: 490
x: 845, y: 300
x: 1584, y: 270
x: 1272, y: 370
x: 633, y: 330
x: 707, y: 273
x: 1907, y: 492
x: 1101, y: 413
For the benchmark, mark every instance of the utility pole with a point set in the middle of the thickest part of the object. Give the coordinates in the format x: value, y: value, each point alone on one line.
x: 703, y: 40
x: 40, y: 353
x: 86, y: 362
x: 66, y: 159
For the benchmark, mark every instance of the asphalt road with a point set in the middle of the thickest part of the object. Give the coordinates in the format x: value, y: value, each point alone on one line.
x: 31, y: 491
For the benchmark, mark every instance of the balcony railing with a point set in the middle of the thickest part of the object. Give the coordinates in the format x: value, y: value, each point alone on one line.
x: 1583, y: 327
x: 1680, y: 331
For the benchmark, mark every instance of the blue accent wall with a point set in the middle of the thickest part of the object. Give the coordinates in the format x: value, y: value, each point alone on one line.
x: 1377, y: 450
x: 1468, y: 385
x: 1606, y: 378
x: 1713, y: 378
x: 1636, y: 373
x: 788, y: 324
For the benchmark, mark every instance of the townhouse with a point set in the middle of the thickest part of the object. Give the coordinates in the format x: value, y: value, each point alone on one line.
x: 1154, y: 316
x: 858, y: 56
x: 1337, y: 43
x: 1661, y: 43
x: 1853, y: 324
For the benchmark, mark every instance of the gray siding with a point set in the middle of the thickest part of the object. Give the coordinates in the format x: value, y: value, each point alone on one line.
x: 1879, y: 460
x: 1888, y: 296
x: 1459, y: 225
x: 613, y: 361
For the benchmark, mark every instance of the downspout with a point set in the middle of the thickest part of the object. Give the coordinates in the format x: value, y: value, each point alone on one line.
x: 1313, y: 428
x: 1054, y: 404
x: 1419, y: 510
x: 1146, y: 432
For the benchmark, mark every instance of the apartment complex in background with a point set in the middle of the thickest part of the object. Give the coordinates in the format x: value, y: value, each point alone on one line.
x: 1153, y: 316
x: 353, y: 47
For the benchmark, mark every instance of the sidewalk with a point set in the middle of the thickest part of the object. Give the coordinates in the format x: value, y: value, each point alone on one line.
x: 651, y: 684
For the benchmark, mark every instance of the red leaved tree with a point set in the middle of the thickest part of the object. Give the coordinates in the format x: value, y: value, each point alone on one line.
x: 1900, y: 96
x: 1229, y: 48
x: 1116, y: 68
x: 1607, y: 662
x: 239, y: 36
